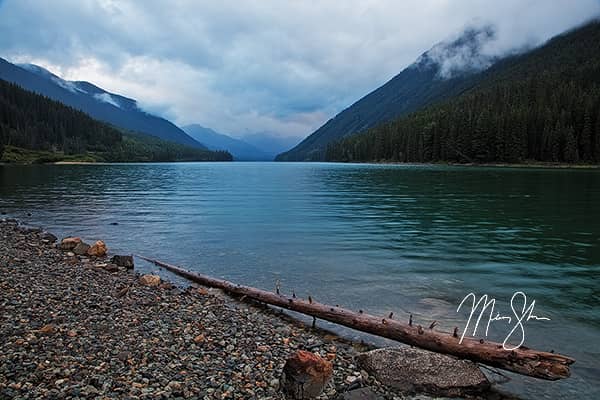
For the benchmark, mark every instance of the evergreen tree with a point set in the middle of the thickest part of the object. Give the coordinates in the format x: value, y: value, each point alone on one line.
x: 597, y: 139
x: 1, y: 140
x: 570, y: 149
x: 479, y: 140
x: 585, y: 140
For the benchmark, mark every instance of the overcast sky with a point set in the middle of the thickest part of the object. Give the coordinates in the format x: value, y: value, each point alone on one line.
x: 240, y: 67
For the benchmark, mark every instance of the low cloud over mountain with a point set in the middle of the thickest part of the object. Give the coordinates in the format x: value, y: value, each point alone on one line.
x: 269, y: 66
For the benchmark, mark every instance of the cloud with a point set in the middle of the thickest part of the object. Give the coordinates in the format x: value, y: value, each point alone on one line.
x: 247, y: 66
x: 465, y: 53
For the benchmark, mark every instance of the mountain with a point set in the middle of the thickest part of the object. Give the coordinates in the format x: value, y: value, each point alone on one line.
x: 271, y: 144
x: 444, y: 71
x: 97, y: 102
x: 240, y: 150
x: 539, y: 106
x: 34, y: 128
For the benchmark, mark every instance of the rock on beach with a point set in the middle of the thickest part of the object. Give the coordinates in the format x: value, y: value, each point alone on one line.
x: 305, y: 375
x: 414, y: 370
x: 150, y: 280
x: 81, y: 248
x: 123, y: 261
x: 49, y: 237
x: 98, y: 249
x: 69, y: 243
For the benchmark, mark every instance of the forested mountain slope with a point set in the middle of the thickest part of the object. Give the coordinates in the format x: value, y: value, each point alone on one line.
x: 426, y: 81
x: 34, y: 128
x: 114, y: 109
x: 543, y: 105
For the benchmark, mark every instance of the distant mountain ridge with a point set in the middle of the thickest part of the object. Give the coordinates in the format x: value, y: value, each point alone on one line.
x: 270, y: 143
x: 240, y: 150
x: 446, y: 70
x: 117, y: 110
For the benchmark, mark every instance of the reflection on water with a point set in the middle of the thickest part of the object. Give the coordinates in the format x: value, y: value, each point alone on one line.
x: 408, y: 239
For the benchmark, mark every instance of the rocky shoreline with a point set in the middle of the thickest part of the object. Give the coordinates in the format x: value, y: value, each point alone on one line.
x: 78, y: 326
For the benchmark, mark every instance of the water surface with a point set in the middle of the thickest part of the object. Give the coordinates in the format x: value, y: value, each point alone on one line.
x: 407, y: 239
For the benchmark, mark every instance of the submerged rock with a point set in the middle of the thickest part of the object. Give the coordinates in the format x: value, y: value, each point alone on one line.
x: 305, y: 375
x: 98, y: 249
x: 414, y: 370
x: 69, y: 243
x: 123, y: 261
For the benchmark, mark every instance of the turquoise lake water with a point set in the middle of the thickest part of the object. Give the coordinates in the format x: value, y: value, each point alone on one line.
x: 407, y: 239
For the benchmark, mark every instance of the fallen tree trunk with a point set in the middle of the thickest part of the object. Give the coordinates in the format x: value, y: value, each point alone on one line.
x: 538, y: 364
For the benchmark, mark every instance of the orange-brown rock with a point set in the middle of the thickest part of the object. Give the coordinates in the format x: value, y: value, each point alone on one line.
x: 98, y: 249
x: 69, y: 243
x: 305, y: 375
x: 47, y: 329
x: 150, y: 280
x: 199, y: 339
x: 166, y: 285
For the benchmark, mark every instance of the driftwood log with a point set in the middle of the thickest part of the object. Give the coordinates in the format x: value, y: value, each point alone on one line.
x: 525, y: 361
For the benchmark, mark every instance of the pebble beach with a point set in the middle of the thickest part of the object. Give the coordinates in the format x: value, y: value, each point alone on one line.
x: 76, y: 327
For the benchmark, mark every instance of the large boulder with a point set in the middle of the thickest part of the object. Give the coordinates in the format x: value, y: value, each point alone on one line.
x: 305, y: 375
x: 98, y: 249
x: 150, y: 280
x: 413, y: 370
x: 69, y: 243
x: 123, y: 261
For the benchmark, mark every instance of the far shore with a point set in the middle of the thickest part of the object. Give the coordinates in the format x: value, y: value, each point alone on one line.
x: 531, y: 165
x: 77, y: 163
x: 483, y: 165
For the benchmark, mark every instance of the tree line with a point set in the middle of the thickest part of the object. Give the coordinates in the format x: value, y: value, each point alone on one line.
x: 532, y: 120
x: 35, y: 122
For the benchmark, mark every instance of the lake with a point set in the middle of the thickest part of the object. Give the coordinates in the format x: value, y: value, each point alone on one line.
x: 402, y: 238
